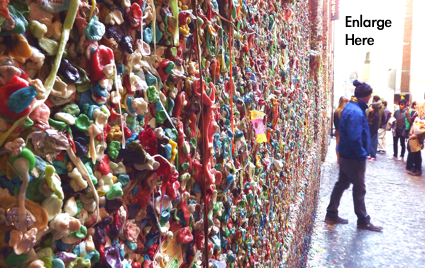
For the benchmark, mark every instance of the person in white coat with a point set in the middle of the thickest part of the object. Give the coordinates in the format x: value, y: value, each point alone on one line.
x: 382, y: 146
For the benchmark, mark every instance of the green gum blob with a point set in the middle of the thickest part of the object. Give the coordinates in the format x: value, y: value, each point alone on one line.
x: 153, y: 94
x: 82, y: 123
x: 52, y: 181
x: 114, y: 149
x: 160, y: 116
x: 59, y: 125
x: 71, y: 109
x: 81, y: 234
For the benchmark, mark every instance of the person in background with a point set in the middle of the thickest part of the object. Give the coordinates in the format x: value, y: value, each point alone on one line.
x: 382, y: 146
x: 398, y: 131
x: 337, y: 114
x: 376, y: 99
x: 416, y: 141
x: 410, y: 162
x: 352, y: 148
x: 373, y: 120
x: 413, y: 115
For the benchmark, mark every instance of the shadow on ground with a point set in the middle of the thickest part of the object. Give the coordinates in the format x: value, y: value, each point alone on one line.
x: 394, y: 200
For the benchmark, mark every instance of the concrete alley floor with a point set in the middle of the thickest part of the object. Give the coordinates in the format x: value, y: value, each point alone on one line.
x: 394, y: 200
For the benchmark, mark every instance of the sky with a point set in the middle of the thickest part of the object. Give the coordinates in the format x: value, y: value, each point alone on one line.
x: 386, y: 52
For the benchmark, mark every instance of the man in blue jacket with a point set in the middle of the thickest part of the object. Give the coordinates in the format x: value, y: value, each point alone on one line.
x: 353, y: 148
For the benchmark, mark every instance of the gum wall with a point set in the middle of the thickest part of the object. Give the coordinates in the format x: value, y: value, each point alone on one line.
x: 179, y: 133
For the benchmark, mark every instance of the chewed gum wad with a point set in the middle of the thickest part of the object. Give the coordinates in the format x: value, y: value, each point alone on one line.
x: 126, y: 126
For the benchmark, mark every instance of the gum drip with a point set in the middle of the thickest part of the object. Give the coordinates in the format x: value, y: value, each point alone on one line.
x: 93, y: 7
x: 151, y: 2
x: 175, y: 10
x: 119, y: 106
x: 22, y: 170
x: 82, y: 169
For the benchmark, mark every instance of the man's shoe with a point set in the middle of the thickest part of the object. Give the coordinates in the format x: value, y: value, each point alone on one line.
x: 370, y: 227
x: 415, y: 173
x: 400, y: 159
x: 382, y: 152
x: 336, y: 221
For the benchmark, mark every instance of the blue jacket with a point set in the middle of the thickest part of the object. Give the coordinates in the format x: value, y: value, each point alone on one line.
x: 354, y: 131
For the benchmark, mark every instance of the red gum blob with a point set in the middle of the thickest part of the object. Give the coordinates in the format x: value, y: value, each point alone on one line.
x: 173, y: 186
x: 199, y: 239
x: 180, y: 142
x: 197, y: 175
x: 170, y: 185
x: 102, y: 253
x: 14, y: 85
x: 128, y: 85
x: 136, y: 12
x: 60, y: 156
x: 40, y: 116
x: 106, y: 130
x: 183, y: 16
x: 101, y: 57
x: 149, y: 143
x: 161, y: 69
x: 178, y: 104
x: 114, y: 115
x: 209, y: 124
x: 103, y: 166
x: 185, y: 210
x: 184, y: 236
x: 180, y: 48
x: 136, y: 265
x: 127, y: 132
x: 142, y: 197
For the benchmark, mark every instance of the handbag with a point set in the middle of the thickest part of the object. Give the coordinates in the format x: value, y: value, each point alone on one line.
x: 390, y: 123
x: 418, y: 126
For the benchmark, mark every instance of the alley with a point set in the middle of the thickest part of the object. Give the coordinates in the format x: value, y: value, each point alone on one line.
x: 394, y: 199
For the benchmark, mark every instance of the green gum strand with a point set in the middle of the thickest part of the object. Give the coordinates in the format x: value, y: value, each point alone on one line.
x: 175, y: 10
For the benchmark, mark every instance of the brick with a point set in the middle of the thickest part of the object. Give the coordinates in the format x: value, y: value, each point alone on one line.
x: 406, y: 58
x: 405, y: 81
x: 407, y: 35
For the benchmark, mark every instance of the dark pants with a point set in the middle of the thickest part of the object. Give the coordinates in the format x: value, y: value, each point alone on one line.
x: 410, y: 159
x: 402, y: 143
x: 373, y: 147
x: 350, y: 171
x: 414, y: 160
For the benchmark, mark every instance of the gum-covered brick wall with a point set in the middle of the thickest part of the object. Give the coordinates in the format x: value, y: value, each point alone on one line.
x: 141, y: 133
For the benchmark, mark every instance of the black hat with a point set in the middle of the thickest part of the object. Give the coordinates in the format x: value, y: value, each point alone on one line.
x: 362, y: 89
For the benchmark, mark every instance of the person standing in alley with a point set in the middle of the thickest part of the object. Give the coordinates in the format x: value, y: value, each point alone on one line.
x: 373, y: 121
x: 353, y: 148
x: 374, y: 146
x: 382, y: 146
x: 415, y: 142
x: 399, y: 132
x: 337, y: 114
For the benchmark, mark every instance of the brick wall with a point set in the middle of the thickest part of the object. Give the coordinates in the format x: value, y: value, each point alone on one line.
x: 407, y: 46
